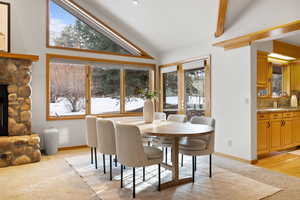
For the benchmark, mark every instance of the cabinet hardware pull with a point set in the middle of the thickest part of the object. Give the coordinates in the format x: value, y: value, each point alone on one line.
x: 282, y: 123
x: 269, y: 125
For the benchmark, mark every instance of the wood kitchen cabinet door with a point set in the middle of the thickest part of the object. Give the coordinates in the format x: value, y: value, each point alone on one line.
x: 287, y: 133
x: 296, y: 131
x: 275, y: 134
x: 262, y: 69
x: 263, y: 136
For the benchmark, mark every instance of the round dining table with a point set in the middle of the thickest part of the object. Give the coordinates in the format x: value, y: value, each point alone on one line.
x: 174, y: 131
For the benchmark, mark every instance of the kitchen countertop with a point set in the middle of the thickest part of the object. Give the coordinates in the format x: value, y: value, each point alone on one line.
x: 282, y: 109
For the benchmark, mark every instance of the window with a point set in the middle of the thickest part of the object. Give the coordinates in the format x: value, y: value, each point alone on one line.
x: 67, y: 89
x: 135, y: 80
x: 277, y: 79
x: 194, y: 82
x: 79, y: 86
x: 170, y: 91
x: 105, y: 89
x: 186, y: 87
x: 72, y: 27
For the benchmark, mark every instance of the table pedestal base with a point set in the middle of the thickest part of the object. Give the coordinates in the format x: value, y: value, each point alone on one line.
x: 175, y: 183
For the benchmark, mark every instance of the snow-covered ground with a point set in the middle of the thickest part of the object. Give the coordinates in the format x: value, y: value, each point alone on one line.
x: 109, y: 105
x: 98, y: 106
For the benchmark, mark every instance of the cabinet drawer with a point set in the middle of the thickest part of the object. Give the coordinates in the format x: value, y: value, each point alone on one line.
x: 262, y: 116
x: 288, y: 115
x: 276, y: 115
x: 296, y: 114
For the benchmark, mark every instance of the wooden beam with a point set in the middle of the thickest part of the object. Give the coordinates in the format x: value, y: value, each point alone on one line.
x: 265, y: 33
x: 221, y: 17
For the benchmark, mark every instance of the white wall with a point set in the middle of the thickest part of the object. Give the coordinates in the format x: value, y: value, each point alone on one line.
x: 28, y: 36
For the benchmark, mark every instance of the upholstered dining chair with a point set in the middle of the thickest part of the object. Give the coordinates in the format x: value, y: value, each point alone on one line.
x: 166, y: 142
x: 91, y: 136
x: 160, y: 116
x: 177, y: 118
x: 132, y: 153
x: 106, y: 141
x: 200, y: 145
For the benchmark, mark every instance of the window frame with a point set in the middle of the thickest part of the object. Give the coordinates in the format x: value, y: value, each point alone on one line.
x: 181, y: 86
x: 88, y: 84
x: 144, y: 54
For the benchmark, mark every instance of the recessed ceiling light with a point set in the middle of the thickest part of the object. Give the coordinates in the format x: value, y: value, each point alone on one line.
x: 136, y: 2
x: 279, y: 56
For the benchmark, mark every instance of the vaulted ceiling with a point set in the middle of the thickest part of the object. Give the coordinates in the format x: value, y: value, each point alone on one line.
x: 165, y: 25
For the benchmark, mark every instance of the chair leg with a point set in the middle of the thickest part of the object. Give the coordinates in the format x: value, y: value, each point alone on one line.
x: 110, y: 167
x: 181, y: 160
x: 96, y: 164
x: 121, y: 176
x: 104, y: 170
x: 210, y: 170
x: 195, y: 163
x: 116, y: 161
x: 133, y: 191
x: 92, y: 156
x: 144, y: 174
x: 158, y: 177
x: 193, y: 168
x: 166, y: 155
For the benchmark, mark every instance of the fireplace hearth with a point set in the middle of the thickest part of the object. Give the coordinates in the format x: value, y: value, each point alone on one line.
x: 3, y: 110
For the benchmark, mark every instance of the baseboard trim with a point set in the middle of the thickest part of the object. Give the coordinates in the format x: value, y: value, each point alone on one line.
x: 72, y: 147
x: 236, y: 158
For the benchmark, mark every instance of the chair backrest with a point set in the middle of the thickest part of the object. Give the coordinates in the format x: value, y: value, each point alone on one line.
x: 91, y: 131
x: 177, y: 118
x: 106, y: 137
x: 160, y: 116
x: 129, y: 146
x: 211, y: 137
x: 203, y: 120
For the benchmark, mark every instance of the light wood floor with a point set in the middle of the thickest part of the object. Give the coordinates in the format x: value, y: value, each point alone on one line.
x: 284, y: 162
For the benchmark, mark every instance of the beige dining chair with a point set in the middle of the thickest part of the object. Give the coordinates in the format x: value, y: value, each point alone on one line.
x: 132, y: 153
x: 177, y: 118
x: 91, y: 136
x: 200, y: 145
x: 160, y: 116
x: 166, y: 142
x: 106, y: 141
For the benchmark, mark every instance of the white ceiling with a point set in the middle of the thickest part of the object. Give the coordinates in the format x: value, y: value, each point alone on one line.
x: 161, y: 26
x: 164, y: 24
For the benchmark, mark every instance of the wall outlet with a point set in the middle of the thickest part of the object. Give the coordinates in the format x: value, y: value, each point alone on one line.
x: 229, y: 143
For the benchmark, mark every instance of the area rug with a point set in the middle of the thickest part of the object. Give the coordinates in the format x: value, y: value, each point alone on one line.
x: 224, y: 185
x: 296, y: 152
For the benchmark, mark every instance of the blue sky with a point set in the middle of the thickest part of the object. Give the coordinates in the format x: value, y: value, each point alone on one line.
x: 60, y: 14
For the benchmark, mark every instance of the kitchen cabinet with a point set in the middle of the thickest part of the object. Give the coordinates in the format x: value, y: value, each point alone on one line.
x: 295, y: 74
x: 263, y: 134
x: 286, y: 133
x: 296, y: 130
x: 277, y: 131
x: 262, y: 69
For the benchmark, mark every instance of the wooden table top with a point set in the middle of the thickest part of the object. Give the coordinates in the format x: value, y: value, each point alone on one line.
x: 170, y: 129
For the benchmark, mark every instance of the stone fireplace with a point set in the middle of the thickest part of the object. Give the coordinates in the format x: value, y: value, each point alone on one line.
x: 18, y: 145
